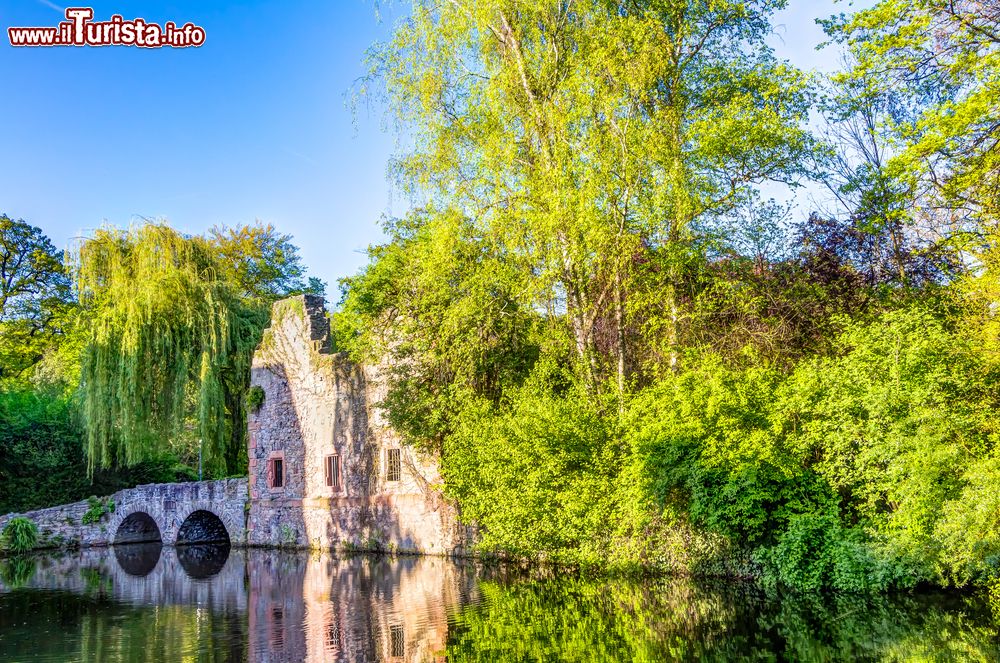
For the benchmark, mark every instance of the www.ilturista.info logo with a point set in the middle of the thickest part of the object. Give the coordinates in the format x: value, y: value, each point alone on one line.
x: 80, y: 30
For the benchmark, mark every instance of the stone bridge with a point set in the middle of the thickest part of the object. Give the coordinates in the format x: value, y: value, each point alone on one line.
x: 171, y: 513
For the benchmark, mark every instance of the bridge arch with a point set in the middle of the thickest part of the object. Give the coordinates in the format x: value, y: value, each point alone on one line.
x: 137, y: 526
x: 198, y: 521
x: 202, y: 526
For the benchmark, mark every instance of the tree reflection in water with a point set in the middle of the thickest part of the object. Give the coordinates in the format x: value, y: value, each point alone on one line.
x: 200, y: 603
x: 681, y: 619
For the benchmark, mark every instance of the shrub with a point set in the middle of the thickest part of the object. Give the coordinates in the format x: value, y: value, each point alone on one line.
x: 254, y: 398
x: 817, y: 552
x: 537, y: 475
x: 901, y: 424
x: 20, y: 534
x: 98, y: 508
x: 288, y: 536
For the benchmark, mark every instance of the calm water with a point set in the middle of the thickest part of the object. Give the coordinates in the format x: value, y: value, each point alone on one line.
x: 214, y: 604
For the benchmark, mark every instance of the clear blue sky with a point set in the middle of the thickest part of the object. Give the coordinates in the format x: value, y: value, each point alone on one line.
x: 252, y: 125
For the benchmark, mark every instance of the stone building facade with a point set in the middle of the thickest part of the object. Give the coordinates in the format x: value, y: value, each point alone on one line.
x: 326, y: 470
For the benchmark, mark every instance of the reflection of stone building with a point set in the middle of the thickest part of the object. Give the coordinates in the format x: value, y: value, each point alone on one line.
x: 324, y: 608
x: 325, y: 469
x: 261, y: 605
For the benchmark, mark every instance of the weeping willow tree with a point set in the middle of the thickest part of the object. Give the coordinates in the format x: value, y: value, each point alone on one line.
x: 169, y: 349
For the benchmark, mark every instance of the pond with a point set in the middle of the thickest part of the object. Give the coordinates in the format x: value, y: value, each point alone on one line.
x: 211, y: 603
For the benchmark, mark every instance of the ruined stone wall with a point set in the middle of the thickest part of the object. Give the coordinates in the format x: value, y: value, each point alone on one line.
x: 318, y: 403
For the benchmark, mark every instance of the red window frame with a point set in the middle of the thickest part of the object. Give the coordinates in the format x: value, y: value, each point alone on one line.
x: 332, y: 470
x: 277, y: 473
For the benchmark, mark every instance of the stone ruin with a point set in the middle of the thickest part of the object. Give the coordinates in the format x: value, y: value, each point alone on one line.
x: 326, y: 469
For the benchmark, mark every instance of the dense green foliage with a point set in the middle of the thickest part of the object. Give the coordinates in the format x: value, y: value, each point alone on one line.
x: 41, y: 442
x: 20, y: 535
x: 880, y: 452
x: 871, y: 467
x: 255, y: 398
x: 625, y: 356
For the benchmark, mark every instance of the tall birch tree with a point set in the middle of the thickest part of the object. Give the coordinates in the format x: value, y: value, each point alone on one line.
x: 584, y: 138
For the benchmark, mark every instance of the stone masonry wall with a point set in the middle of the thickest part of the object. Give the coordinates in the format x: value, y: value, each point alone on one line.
x: 63, y: 526
x: 318, y: 403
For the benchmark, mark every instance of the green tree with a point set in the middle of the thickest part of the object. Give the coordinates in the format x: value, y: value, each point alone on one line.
x: 578, y: 136
x: 259, y: 261
x: 582, y: 167
x: 35, y: 299
x: 169, y: 344
x: 31, y: 270
x: 440, y: 310
x: 860, y: 134
x: 943, y: 58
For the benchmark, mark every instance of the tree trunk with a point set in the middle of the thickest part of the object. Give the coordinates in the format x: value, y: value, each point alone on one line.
x: 620, y: 328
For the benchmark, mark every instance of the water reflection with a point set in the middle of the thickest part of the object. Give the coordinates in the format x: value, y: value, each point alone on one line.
x: 128, y: 603
x: 201, y: 561
x: 679, y: 619
x: 324, y: 608
x: 138, y: 559
x: 16, y: 571
x: 219, y: 604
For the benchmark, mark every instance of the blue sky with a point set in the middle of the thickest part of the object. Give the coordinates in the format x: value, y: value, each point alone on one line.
x: 252, y: 125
